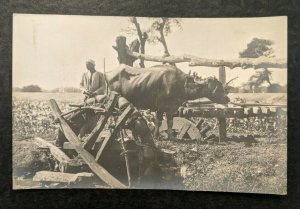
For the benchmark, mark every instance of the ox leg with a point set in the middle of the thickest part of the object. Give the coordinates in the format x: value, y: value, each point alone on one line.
x: 159, y: 118
x: 138, y: 124
x: 170, y: 125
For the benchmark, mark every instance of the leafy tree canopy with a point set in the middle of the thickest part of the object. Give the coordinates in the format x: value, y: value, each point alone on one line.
x: 31, y: 88
x: 258, y: 48
x: 162, y: 27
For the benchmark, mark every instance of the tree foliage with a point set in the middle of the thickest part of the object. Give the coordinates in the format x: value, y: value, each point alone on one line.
x: 255, y: 49
x: 161, y: 28
x: 275, y: 88
x: 158, y: 30
x: 17, y: 89
x: 258, y: 48
x: 165, y: 25
x: 31, y: 88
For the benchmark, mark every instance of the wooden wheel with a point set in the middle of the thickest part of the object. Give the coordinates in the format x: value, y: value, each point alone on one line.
x: 182, y: 128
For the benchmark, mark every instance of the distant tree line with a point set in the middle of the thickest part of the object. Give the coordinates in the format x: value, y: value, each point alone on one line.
x: 29, y: 88
x: 36, y: 88
x: 66, y: 89
x: 273, y: 88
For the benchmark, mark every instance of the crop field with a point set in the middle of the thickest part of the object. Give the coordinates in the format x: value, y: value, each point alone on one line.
x: 238, y: 164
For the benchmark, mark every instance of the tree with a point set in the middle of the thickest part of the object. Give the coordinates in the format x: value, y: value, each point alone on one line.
x: 143, y: 36
x: 17, y: 89
x: 258, y: 48
x: 123, y: 50
x: 161, y: 28
x: 31, y: 88
x: 275, y: 88
x: 156, y: 33
x: 256, y: 80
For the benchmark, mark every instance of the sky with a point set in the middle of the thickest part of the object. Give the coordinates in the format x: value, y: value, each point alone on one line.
x: 51, y: 50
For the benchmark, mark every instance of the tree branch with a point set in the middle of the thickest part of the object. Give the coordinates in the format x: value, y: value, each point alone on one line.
x: 142, y: 36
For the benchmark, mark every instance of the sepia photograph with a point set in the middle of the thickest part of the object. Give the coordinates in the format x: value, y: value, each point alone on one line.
x: 107, y: 102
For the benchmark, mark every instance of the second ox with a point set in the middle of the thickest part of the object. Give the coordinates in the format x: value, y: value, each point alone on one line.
x: 162, y: 89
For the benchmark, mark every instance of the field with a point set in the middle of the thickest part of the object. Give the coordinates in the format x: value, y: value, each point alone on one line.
x: 257, y: 166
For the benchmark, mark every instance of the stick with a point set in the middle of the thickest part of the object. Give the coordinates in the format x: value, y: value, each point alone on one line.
x: 126, y: 158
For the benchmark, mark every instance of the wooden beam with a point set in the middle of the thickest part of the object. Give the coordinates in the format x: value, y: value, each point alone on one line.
x: 183, y: 130
x: 222, y: 75
x: 49, y: 176
x: 101, y: 172
x: 258, y: 104
x: 65, y: 163
x: 121, y: 120
x: 55, y: 151
x: 91, y: 139
x: 244, y: 63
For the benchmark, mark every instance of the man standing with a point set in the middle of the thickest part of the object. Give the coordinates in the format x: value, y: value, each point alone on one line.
x: 92, y: 82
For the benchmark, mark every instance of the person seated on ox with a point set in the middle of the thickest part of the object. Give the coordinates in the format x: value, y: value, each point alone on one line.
x: 92, y: 84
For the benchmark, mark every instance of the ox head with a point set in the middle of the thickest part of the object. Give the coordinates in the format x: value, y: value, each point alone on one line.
x: 210, y: 88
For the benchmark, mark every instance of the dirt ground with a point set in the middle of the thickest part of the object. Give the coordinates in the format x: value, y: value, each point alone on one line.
x: 256, y: 167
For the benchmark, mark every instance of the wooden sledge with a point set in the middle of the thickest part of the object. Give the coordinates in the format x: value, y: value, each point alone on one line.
x: 84, y: 148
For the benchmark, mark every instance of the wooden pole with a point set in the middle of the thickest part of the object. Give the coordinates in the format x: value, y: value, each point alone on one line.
x: 222, y: 75
x: 243, y: 63
x: 222, y: 128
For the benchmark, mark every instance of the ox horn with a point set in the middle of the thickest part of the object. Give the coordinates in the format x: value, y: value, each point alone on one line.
x: 230, y: 81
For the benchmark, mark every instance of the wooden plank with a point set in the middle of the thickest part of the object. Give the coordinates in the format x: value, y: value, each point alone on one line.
x: 255, y: 110
x: 91, y: 139
x: 246, y: 110
x: 265, y: 110
x: 55, y: 151
x: 49, y: 176
x: 120, y: 122
x: 101, y: 172
x: 183, y: 130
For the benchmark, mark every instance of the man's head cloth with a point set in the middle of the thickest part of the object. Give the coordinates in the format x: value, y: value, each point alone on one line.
x: 90, y: 61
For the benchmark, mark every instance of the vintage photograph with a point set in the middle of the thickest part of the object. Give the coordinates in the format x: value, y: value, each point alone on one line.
x: 108, y: 102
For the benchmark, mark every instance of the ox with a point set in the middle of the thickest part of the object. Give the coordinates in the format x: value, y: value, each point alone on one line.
x: 162, y: 89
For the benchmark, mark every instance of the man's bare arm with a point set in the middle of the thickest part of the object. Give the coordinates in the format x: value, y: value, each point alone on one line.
x: 102, y: 88
x: 82, y: 88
